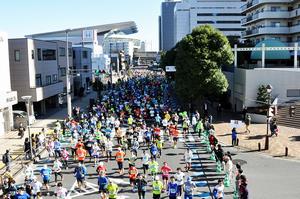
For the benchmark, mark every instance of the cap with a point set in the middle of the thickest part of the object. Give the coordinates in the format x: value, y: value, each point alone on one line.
x: 156, y: 178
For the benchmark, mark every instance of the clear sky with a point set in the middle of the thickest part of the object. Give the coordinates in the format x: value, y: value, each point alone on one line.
x: 22, y: 17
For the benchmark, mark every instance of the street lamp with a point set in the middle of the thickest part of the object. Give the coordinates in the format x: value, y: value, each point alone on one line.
x: 269, y: 91
x: 68, y: 81
x: 27, y: 101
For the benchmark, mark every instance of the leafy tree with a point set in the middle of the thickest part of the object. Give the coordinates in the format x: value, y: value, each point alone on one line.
x: 199, y: 58
x: 262, y: 95
x: 168, y: 58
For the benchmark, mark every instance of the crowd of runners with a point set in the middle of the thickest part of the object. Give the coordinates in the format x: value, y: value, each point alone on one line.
x: 134, y: 119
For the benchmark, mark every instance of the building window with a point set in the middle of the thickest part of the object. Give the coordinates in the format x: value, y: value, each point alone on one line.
x: 54, y: 78
x: 48, y: 79
x: 275, y: 8
x: 38, y: 80
x: 70, y: 52
x: 227, y: 22
x: 74, y: 54
x: 32, y: 54
x: 204, y: 14
x: 298, y: 38
x: 62, y: 72
x: 275, y: 24
x: 228, y: 14
x: 231, y: 29
x: 84, y: 54
x: 49, y: 54
x: 293, y: 93
x: 62, y: 51
x: 85, y: 67
x: 205, y: 22
x: 17, y: 55
x: 39, y: 54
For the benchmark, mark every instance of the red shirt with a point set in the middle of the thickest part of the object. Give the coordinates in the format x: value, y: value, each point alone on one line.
x: 165, y: 170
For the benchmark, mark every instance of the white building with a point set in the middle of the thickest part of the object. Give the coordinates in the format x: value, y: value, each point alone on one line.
x: 38, y: 69
x: 115, y: 43
x: 224, y: 15
x: 272, y: 19
x: 7, y: 96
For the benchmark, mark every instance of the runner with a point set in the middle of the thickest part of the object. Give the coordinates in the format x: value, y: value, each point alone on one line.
x: 188, y: 155
x: 159, y: 145
x: 61, y: 192
x: 179, y: 176
x: 120, y: 159
x: 102, y: 183
x: 153, y: 167
x: 21, y: 194
x: 157, y: 188
x: 46, y: 176
x: 112, y: 189
x: 133, y: 172
x: 188, y: 188
x: 153, y: 151
x: 145, y: 161
x: 80, y: 173
x: 96, y: 153
x: 57, y: 169
x: 101, y: 168
x: 165, y: 169
x: 65, y: 157
x: 141, y: 186
x: 81, y: 153
x: 172, y: 189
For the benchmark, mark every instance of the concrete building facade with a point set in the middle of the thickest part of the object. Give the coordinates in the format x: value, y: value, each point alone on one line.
x: 82, y: 66
x: 224, y: 15
x: 37, y: 69
x: 266, y: 19
x: 7, y: 96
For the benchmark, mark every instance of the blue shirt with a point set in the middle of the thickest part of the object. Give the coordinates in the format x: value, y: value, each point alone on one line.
x: 153, y: 149
x: 233, y: 135
x: 22, y: 196
x: 102, y: 181
x: 172, y: 189
x: 57, y: 145
x: 46, y: 173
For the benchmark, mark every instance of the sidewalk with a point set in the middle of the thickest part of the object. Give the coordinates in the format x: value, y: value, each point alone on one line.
x: 288, y: 137
x: 12, y: 141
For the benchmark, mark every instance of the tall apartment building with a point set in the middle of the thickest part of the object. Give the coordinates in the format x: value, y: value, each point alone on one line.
x: 7, y: 96
x: 278, y: 19
x: 38, y: 69
x: 224, y: 15
x: 166, y: 25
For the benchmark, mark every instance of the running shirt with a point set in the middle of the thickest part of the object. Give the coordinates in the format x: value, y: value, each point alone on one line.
x: 157, y: 187
x: 188, y: 188
x: 120, y: 156
x: 145, y: 159
x: 102, y: 181
x: 188, y: 156
x: 57, y: 166
x: 153, y: 166
x: 46, y: 173
x: 165, y: 171
x: 81, y: 153
x: 180, y: 178
x: 36, y: 187
x: 112, y: 190
x: 172, y: 189
x: 61, y: 192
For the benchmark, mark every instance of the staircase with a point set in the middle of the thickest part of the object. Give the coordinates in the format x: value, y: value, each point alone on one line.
x: 284, y: 119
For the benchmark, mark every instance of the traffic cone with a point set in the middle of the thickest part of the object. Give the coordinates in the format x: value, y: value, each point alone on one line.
x: 212, y: 157
x: 226, y: 180
x: 219, y: 167
x: 235, y: 195
x: 208, y: 149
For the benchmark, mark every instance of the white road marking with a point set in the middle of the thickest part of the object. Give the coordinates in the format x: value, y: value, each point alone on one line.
x: 119, y: 181
x: 74, y: 193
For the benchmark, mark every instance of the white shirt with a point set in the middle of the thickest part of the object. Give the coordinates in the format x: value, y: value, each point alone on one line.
x: 109, y: 145
x: 117, y: 123
x: 164, y: 122
x: 146, y: 158
x: 220, y: 190
x: 228, y: 166
x: 61, y: 193
x: 57, y: 166
x: 36, y: 187
x: 188, y: 156
x: 180, y: 178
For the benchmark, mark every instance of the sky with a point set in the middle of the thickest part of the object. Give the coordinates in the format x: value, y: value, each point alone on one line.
x: 23, y: 17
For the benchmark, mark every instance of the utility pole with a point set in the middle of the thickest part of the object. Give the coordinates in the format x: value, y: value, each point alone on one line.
x: 68, y: 79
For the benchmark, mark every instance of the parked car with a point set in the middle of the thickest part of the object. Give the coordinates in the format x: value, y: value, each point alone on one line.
x: 21, y: 117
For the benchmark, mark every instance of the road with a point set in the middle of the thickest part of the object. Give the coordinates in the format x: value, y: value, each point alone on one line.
x: 174, y: 157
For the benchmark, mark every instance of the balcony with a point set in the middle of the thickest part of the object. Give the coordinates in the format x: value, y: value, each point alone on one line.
x: 40, y: 93
x: 266, y: 15
x: 295, y: 13
x: 266, y: 30
x: 256, y: 3
x: 295, y: 29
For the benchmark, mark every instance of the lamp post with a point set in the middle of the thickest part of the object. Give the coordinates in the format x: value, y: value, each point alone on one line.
x: 27, y: 101
x: 68, y: 81
x: 269, y: 91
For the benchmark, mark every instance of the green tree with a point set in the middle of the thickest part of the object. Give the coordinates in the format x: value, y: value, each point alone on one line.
x: 262, y: 95
x: 168, y: 58
x: 199, y: 58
